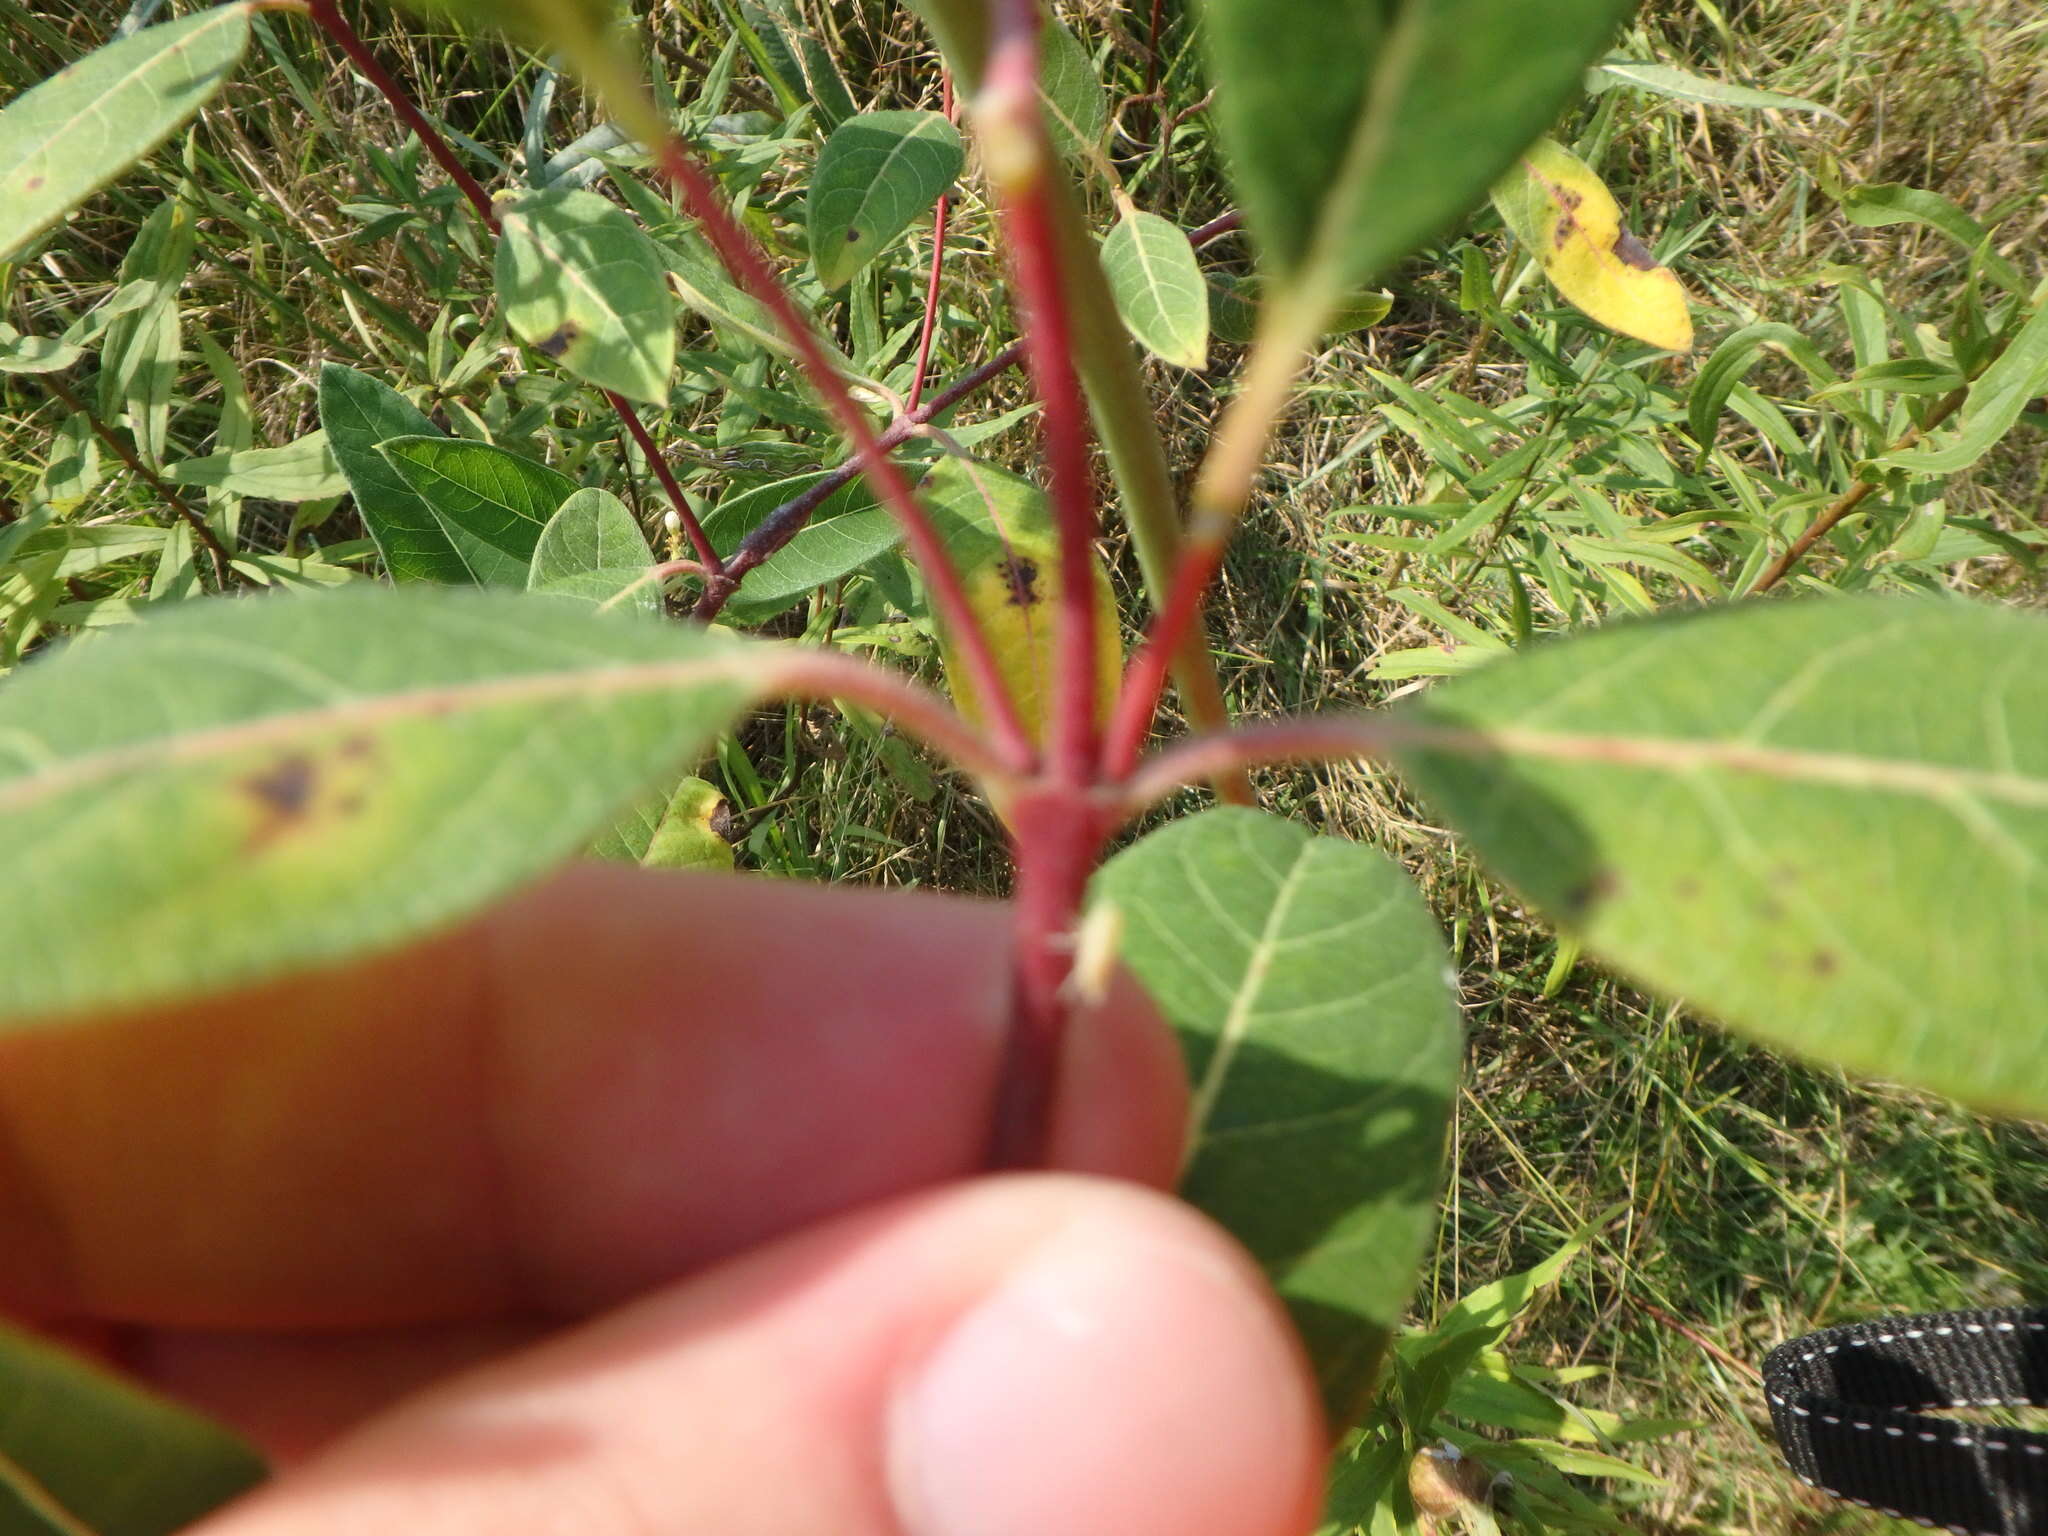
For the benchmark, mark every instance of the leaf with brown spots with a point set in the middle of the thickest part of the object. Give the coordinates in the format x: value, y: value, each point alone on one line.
x: 271, y: 784
x: 1824, y: 823
x: 1564, y: 216
x: 68, y: 137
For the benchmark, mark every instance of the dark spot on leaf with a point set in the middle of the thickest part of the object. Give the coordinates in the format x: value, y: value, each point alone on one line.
x: 356, y: 747
x: 1685, y: 888
x: 723, y: 823
x: 1600, y: 886
x: 1021, y: 577
x: 286, y: 788
x: 562, y: 340
x: 1634, y: 252
x: 35, y: 183
x: 1825, y: 962
x: 349, y: 805
x: 852, y: 236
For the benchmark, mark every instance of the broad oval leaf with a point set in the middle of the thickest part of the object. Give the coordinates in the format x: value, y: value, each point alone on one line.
x: 360, y: 415
x: 491, y: 503
x: 846, y: 530
x: 1158, y: 287
x: 592, y: 548
x: 1825, y: 823
x: 1076, y: 108
x: 83, y: 1450
x: 1355, y: 132
x: 1564, y: 216
x: 272, y: 784
x: 875, y: 175
x: 583, y: 284
x: 66, y: 138
x: 1309, y: 985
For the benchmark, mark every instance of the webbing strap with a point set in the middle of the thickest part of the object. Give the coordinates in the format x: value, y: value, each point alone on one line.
x: 1841, y: 1401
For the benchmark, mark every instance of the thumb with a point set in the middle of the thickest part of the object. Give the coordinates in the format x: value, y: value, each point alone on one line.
x: 1019, y: 1355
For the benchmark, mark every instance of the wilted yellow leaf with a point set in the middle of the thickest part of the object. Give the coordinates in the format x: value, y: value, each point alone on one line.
x: 1564, y: 214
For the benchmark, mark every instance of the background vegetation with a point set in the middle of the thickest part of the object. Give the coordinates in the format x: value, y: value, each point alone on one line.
x: 1741, y: 1198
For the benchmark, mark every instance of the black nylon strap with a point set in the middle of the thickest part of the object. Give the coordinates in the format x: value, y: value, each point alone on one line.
x: 1841, y: 1402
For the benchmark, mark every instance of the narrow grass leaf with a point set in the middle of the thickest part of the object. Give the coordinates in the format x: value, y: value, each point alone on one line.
x: 1877, y: 204
x: 1683, y: 85
x: 63, y: 140
x: 83, y: 1450
x: 359, y: 415
x: 1355, y: 132
x: 1824, y: 823
x: 1308, y: 982
x: 877, y: 173
x: 1158, y: 287
x: 582, y: 284
x: 491, y: 503
x: 273, y: 784
x: 592, y: 548
x: 303, y: 470
x: 1563, y: 215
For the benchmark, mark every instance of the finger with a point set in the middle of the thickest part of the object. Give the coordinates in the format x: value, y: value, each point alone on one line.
x: 618, y: 1079
x: 1018, y: 1355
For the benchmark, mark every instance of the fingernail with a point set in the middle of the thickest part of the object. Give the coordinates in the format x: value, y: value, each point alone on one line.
x: 1118, y: 1381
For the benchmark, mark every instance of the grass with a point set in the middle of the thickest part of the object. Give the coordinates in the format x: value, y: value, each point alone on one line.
x: 1760, y: 1197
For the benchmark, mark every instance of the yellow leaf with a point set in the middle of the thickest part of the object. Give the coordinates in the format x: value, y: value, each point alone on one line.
x: 1563, y: 213
x: 1015, y: 595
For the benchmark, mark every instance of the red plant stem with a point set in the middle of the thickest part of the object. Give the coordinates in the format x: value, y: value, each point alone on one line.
x: 1152, y: 61
x: 940, y: 210
x: 324, y: 13
x: 786, y: 521
x: 1009, y: 108
x: 351, y: 43
x: 1322, y: 738
x: 1215, y: 229
x: 692, y: 529
x: 1145, y: 679
x: 809, y: 673
x: 749, y: 267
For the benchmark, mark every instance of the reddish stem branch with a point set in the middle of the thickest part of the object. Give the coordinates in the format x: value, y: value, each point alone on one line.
x: 749, y: 267
x: 940, y: 211
x: 1215, y: 229
x: 1145, y: 679
x: 692, y: 529
x: 202, y: 530
x: 1855, y: 496
x: 786, y: 521
x: 351, y: 43
x: 1020, y: 160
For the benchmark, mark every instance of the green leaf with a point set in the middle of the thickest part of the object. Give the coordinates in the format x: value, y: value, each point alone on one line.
x: 1878, y: 204
x: 1355, y: 132
x: 593, y: 548
x: 1824, y: 823
x: 490, y: 503
x: 1309, y: 985
x: 800, y: 58
x: 581, y: 283
x: 274, y: 784
x: 1996, y: 398
x: 1731, y: 359
x: 304, y: 470
x: 1158, y: 287
x: 359, y: 414
x: 83, y: 1450
x: 34, y: 354
x: 1683, y: 85
x: 875, y: 175
x: 848, y: 529
x: 68, y: 137
x: 1077, y: 110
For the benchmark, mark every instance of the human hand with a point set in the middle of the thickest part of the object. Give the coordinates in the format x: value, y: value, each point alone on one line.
x: 626, y: 1210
